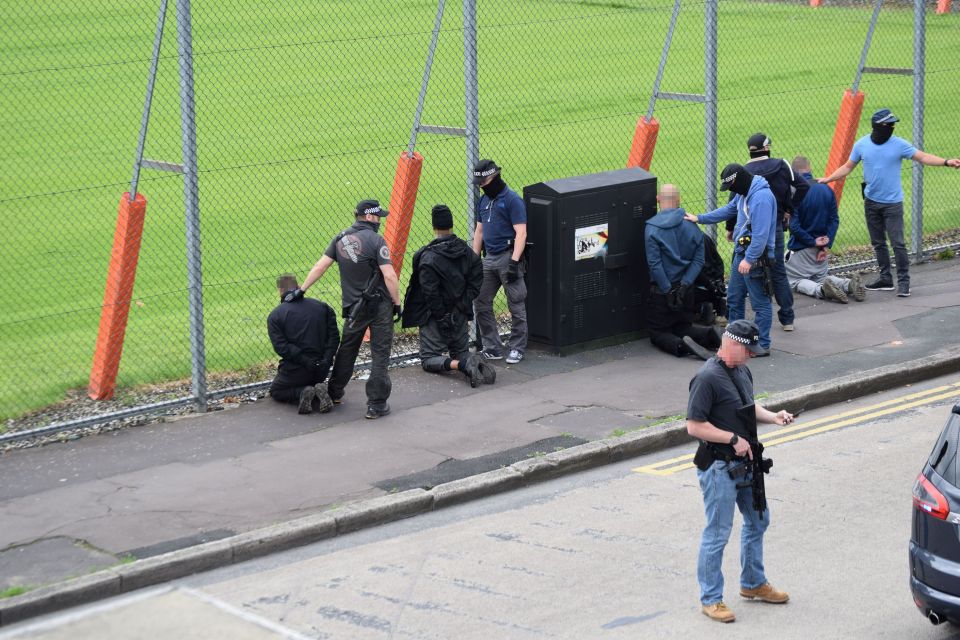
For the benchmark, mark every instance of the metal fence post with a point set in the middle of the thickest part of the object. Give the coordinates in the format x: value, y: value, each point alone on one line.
x: 919, y: 69
x: 148, y: 100
x: 472, y: 106
x: 710, y: 108
x: 188, y: 128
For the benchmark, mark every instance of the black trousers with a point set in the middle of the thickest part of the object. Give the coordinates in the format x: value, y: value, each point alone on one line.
x: 435, y: 344
x: 669, y: 326
x: 288, y: 384
x: 381, y: 340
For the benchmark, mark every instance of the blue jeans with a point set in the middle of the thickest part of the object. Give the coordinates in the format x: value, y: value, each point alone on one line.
x: 752, y: 284
x: 720, y: 493
x: 781, y: 286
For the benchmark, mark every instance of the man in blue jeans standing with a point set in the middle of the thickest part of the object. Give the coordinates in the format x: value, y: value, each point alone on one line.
x: 755, y: 209
x: 882, y: 152
x: 718, y: 393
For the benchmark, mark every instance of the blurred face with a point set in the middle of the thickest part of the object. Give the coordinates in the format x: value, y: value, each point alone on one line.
x: 734, y: 353
x: 487, y: 180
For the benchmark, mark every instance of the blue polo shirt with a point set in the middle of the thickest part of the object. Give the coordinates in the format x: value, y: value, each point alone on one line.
x: 881, y: 167
x: 498, y: 217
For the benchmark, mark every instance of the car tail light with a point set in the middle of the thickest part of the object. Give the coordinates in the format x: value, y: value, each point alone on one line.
x: 928, y: 499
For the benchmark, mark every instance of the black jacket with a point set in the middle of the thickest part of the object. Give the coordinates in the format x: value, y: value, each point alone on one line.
x: 447, y: 275
x: 788, y: 188
x: 304, y: 332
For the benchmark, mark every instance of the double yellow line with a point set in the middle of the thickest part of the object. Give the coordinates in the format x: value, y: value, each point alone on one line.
x: 820, y: 425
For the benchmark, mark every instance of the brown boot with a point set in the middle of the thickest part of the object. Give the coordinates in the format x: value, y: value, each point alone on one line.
x: 765, y: 592
x: 718, y: 612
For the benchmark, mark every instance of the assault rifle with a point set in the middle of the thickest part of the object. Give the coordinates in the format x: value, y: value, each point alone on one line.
x: 759, y: 465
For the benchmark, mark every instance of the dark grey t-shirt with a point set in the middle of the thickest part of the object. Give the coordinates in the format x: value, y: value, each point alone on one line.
x: 358, y: 253
x: 714, y: 398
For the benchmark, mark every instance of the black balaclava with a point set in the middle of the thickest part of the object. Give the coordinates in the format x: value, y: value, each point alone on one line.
x: 493, y: 189
x: 373, y: 225
x: 735, y: 178
x: 881, y: 133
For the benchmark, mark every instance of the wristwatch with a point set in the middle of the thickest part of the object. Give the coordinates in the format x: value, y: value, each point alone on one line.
x: 734, y: 440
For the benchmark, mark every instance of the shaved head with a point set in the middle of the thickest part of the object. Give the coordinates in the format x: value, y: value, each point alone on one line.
x: 800, y: 164
x: 668, y: 196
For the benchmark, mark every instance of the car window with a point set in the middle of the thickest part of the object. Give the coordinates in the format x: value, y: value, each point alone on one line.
x: 943, y: 458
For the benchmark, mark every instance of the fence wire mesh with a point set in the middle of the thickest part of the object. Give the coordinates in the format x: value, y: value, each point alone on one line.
x: 303, y: 108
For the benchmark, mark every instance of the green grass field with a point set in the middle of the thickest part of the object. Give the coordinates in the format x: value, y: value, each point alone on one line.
x: 303, y: 108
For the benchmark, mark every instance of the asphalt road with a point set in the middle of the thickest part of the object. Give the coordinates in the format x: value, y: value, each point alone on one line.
x: 609, y: 553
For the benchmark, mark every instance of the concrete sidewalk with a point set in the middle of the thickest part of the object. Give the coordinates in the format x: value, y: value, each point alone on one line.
x: 70, y: 509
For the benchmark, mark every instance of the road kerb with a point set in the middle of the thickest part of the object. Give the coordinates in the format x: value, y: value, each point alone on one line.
x: 383, y: 509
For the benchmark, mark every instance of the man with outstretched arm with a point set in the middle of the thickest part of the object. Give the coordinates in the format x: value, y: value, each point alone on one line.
x: 755, y: 208
x: 881, y: 153
x: 370, y: 293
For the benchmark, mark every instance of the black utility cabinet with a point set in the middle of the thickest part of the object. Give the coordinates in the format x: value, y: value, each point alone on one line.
x: 587, y: 275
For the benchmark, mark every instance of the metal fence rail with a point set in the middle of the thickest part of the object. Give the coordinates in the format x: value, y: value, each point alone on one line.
x: 268, y: 121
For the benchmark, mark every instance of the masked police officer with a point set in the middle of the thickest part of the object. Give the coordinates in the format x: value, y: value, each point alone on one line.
x: 446, y: 278
x: 502, y: 233
x: 721, y: 394
x: 371, y: 299
x: 754, y: 208
x: 304, y: 334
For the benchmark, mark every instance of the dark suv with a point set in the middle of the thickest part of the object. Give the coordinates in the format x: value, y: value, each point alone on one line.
x: 935, y: 535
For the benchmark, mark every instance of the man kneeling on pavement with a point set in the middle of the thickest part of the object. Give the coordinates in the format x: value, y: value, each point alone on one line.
x: 675, y: 257
x: 446, y: 279
x: 304, y: 334
x: 813, y: 228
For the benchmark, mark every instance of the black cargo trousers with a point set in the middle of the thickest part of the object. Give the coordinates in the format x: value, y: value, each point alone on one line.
x: 381, y: 340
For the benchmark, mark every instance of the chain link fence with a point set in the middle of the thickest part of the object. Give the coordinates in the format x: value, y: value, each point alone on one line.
x: 303, y: 108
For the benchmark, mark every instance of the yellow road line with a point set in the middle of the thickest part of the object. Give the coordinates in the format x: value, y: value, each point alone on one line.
x: 681, y: 463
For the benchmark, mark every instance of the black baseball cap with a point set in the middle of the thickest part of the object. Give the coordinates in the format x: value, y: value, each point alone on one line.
x: 757, y: 142
x: 729, y: 174
x: 884, y: 116
x: 746, y: 333
x: 483, y: 170
x: 370, y: 206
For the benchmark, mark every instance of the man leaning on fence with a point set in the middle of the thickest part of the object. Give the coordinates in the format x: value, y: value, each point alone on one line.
x: 446, y: 278
x: 881, y: 153
x: 502, y: 234
x: 371, y: 300
x: 304, y: 334
x: 675, y: 257
x: 813, y: 227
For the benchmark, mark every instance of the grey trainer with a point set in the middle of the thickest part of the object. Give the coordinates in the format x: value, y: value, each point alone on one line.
x: 857, y: 290
x: 833, y: 292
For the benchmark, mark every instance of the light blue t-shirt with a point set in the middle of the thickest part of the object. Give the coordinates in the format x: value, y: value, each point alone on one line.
x: 881, y: 167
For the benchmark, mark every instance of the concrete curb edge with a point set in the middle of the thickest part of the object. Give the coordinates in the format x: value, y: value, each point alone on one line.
x: 390, y: 507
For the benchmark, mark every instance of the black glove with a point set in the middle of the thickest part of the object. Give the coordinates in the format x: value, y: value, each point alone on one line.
x: 293, y: 296
x: 513, y: 271
x: 320, y: 368
x: 445, y: 323
x: 674, y: 301
x: 682, y: 294
x: 397, y: 312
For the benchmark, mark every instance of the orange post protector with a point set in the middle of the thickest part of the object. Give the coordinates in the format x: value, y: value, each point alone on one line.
x: 644, y: 142
x: 845, y: 134
x: 406, y: 182
x: 117, y: 296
